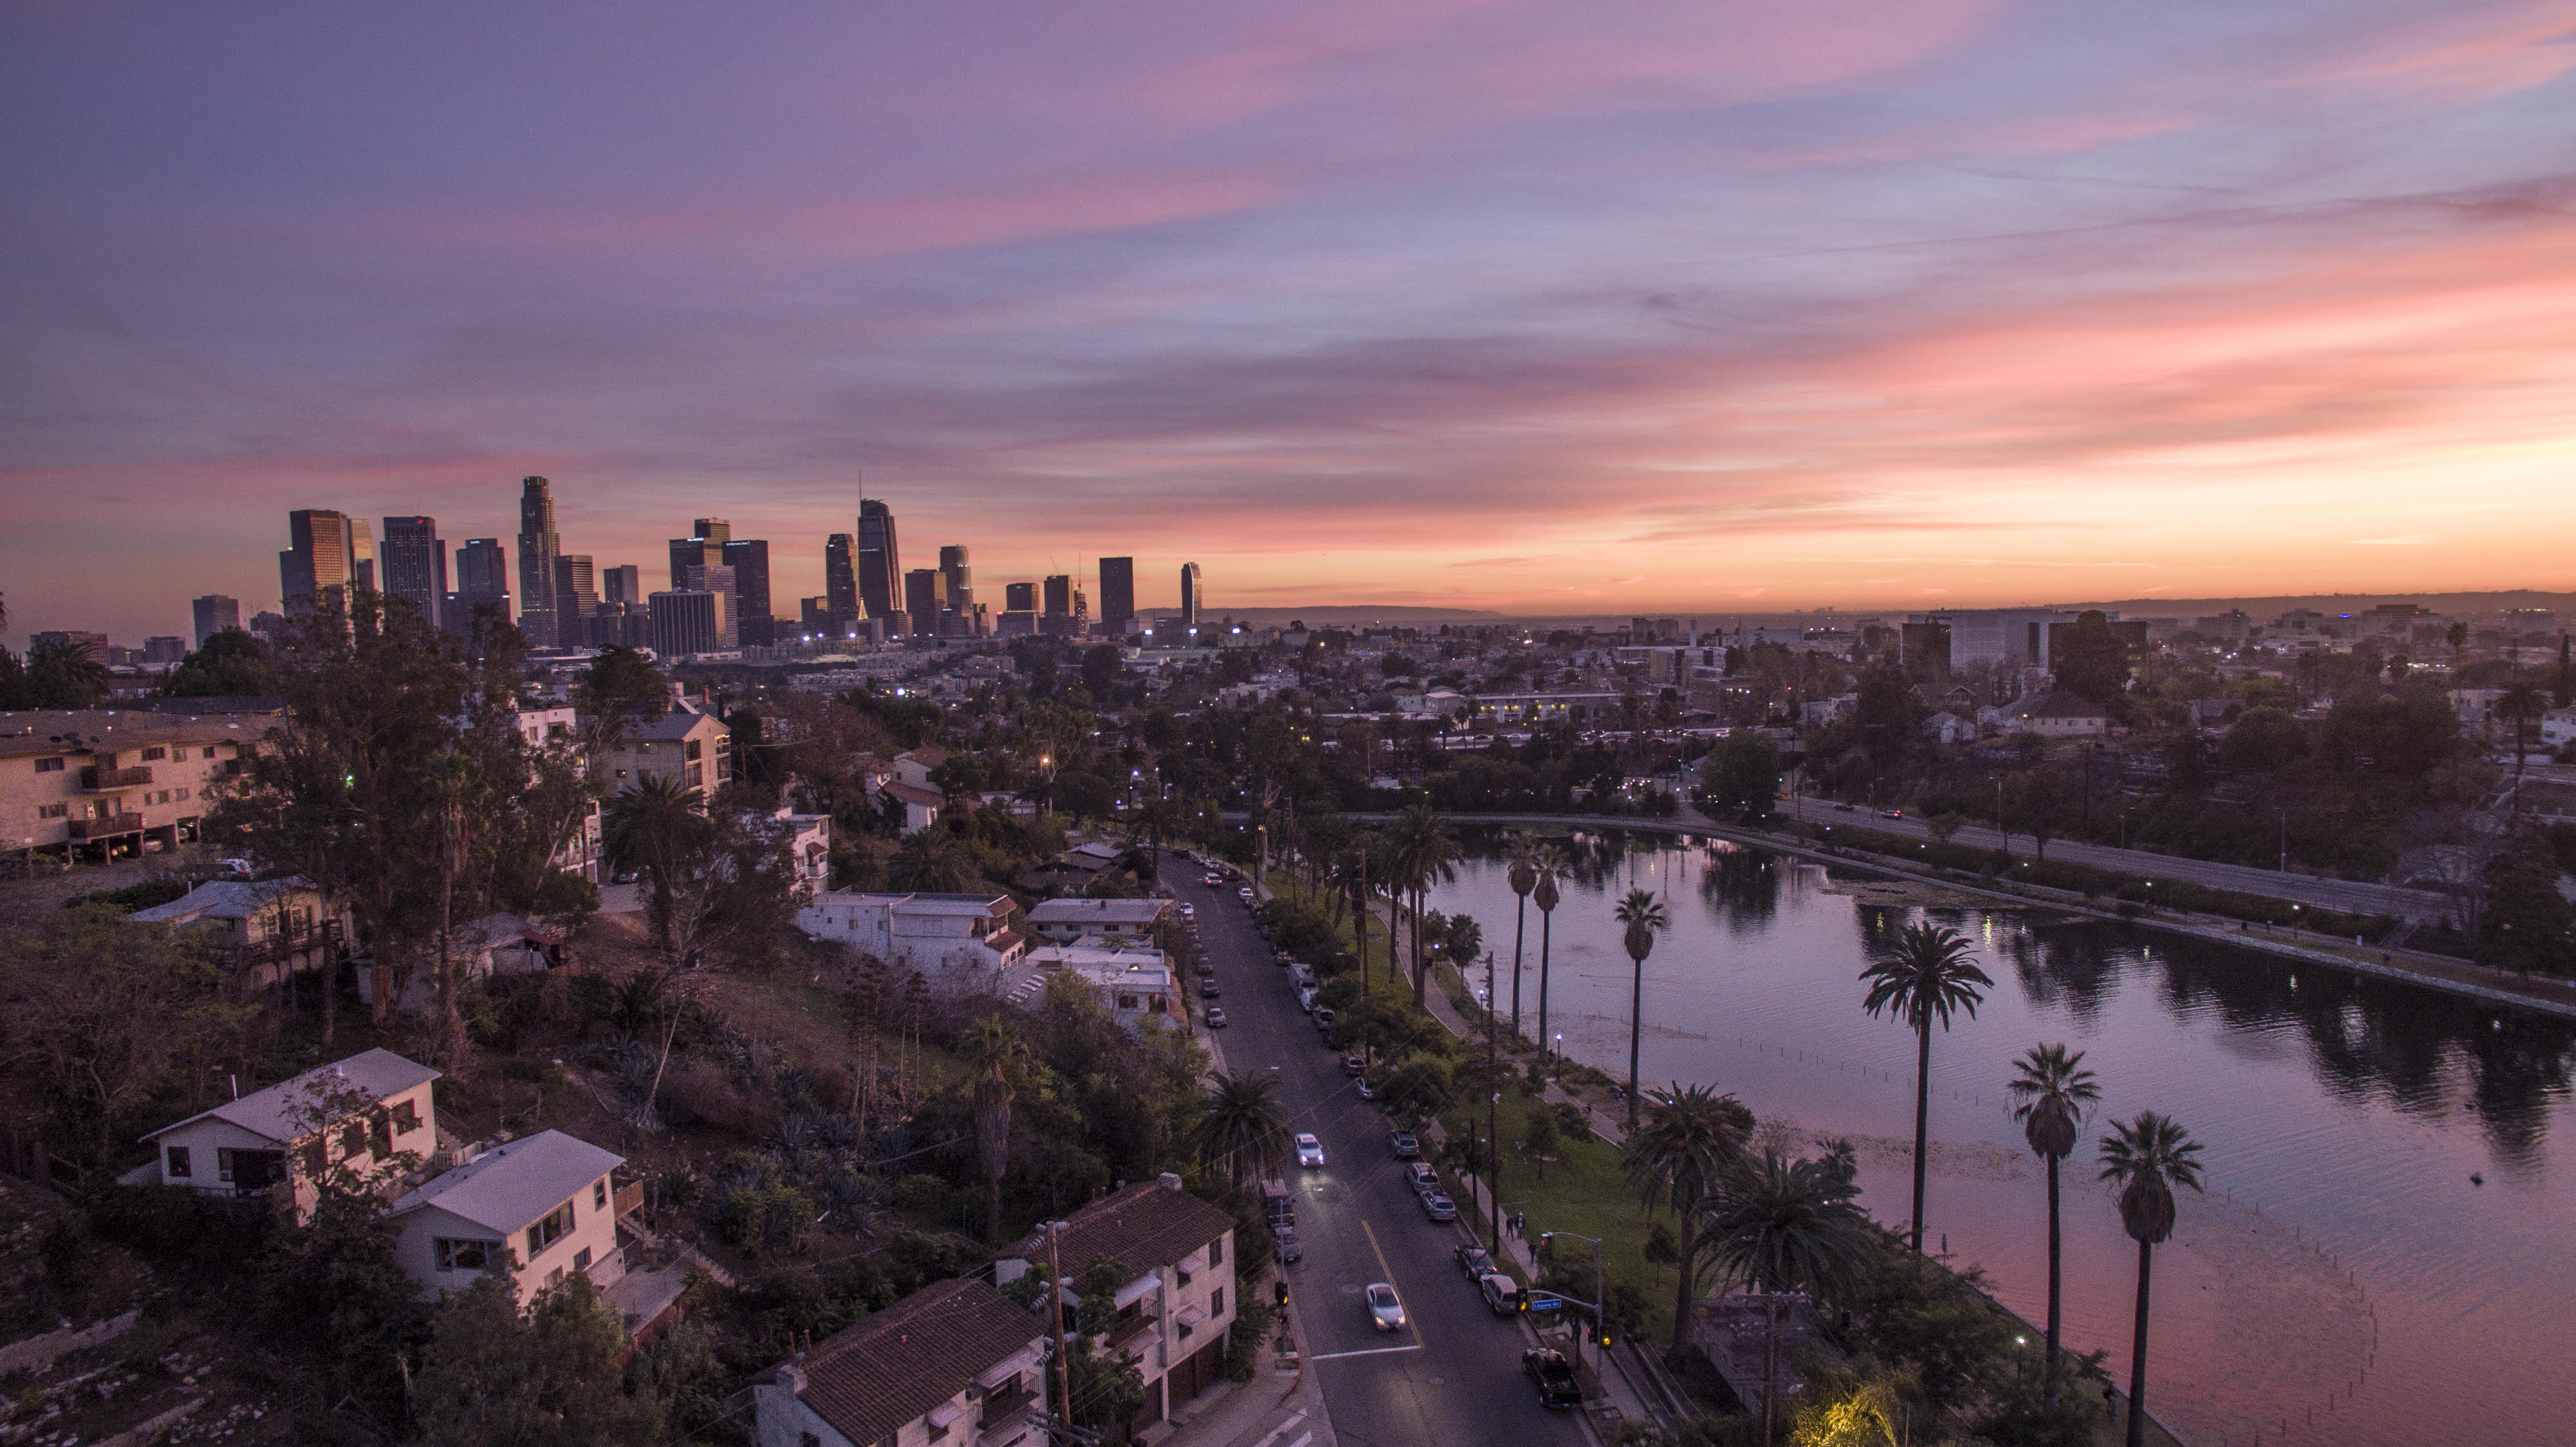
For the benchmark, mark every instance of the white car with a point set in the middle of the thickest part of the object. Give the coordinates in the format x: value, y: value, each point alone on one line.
x: 1310, y: 1151
x: 1385, y: 1308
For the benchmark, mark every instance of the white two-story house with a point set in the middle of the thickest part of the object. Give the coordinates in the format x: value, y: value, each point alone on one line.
x: 547, y: 1202
x: 369, y: 1118
x: 1178, y: 1302
x: 962, y: 938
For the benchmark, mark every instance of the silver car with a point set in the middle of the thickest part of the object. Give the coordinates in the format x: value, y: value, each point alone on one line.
x: 1386, y: 1309
x: 1310, y: 1150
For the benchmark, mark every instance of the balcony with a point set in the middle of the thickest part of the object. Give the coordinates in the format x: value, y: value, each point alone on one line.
x: 1125, y: 1332
x: 1005, y: 1411
x: 107, y: 828
x: 96, y: 779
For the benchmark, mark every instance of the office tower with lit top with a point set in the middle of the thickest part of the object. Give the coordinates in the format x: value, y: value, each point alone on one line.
x: 882, y: 580
x: 539, y: 545
x: 414, y: 563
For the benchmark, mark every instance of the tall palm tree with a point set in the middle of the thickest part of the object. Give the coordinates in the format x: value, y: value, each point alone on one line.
x: 1645, y: 917
x: 1548, y: 863
x: 932, y: 861
x: 2522, y: 702
x: 1000, y: 1062
x: 449, y: 781
x: 1784, y: 1226
x: 649, y: 827
x: 1927, y: 976
x: 1242, y: 1129
x: 2052, y: 1089
x: 1425, y: 853
x: 1682, y: 1157
x: 1523, y: 874
x: 2147, y: 1158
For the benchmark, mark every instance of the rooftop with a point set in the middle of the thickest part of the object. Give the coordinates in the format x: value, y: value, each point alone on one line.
x: 291, y: 1109
x: 1089, y: 913
x: 220, y: 899
x: 1147, y: 1225
x: 27, y: 732
x: 914, y: 1355
x: 511, y: 1185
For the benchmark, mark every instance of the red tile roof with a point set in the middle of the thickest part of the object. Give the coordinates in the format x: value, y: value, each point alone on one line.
x: 907, y: 1359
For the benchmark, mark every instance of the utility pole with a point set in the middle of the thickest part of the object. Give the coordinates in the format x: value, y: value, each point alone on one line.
x: 1055, y: 1304
x: 2285, y: 839
x: 1494, y: 1101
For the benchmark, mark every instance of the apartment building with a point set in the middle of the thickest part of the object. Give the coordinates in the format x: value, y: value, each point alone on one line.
x: 695, y: 748
x: 955, y: 1363
x: 965, y: 937
x: 113, y: 783
x: 1174, y: 1312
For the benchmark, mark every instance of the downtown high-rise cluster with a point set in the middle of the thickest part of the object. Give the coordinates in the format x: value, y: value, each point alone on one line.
x: 718, y: 599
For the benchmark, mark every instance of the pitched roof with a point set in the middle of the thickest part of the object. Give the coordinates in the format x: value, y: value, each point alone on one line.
x: 220, y: 899
x: 2058, y: 703
x: 913, y: 793
x: 292, y: 1109
x: 929, y: 756
x: 1144, y: 1226
x: 511, y: 1185
x: 673, y: 725
x: 912, y: 1356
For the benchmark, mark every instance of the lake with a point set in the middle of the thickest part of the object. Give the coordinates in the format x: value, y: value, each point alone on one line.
x: 2381, y: 1256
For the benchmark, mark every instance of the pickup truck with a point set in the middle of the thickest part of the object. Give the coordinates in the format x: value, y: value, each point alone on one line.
x: 1548, y: 1370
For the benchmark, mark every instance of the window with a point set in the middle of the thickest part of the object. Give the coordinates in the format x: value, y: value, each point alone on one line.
x: 1216, y: 1302
x: 155, y: 753
x: 209, y: 753
x: 223, y: 1163
x: 313, y: 1156
x: 183, y: 796
x: 179, y: 1161
x: 406, y: 1117
x: 581, y: 1259
x: 1216, y: 1252
x: 49, y: 766
x: 550, y: 1230
x: 555, y: 1277
x: 692, y: 751
x: 465, y: 1255
x: 353, y: 1138
x: 52, y: 811
x: 599, y: 1194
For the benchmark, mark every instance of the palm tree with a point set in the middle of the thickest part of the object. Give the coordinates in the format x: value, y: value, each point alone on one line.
x: 1785, y: 1226
x: 2147, y: 1157
x: 2052, y: 1088
x: 932, y: 861
x: 1548, y: 863
x: 1000, y: 1062
x: 1523, y: 874
x: 1242, y: 1129
x: 1645, y: 917
x: 1927, y: 976
x: 649, y: 826
x: 1681, y: 1158
x: 2522, y: 702
x: 450, y: 779
x: 1424, y: 853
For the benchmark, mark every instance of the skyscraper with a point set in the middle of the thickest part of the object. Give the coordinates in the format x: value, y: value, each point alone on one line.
x: 714, y: 530
x: 316, y: 560
x: 841, y: 580
x: 622, y: 584
x: 362, y: 555
x: 720, y: 580
x: 749, y: 559
x: 691, y: 552
x: 482, y: 581
x: 1118, y: 596
x: 1190, y: 598
x: 215, y: 613
x: 539, y: 545
x: 882, y: 581
x: 687, y: 621
x: 415, y: 564
x: 1059, y: 594
x: 1020, y: 597
x: 925, y: 597
x: 576, y: 598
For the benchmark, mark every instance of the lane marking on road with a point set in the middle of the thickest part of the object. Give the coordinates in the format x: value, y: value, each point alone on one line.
x: 1365, y: 1352
x: 1302, y: 1441
x: 1386, y: 1274
x: 1283, y: 1429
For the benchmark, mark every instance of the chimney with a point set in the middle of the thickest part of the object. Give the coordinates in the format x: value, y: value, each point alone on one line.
x: 1171, y: 1182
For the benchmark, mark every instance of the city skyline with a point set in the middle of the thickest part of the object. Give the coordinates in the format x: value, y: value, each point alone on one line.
x: 1478, y: 306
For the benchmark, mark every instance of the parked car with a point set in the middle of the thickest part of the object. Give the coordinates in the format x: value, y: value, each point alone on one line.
x: 1290, y: 1253
x: 1438, y: 1206
x: 1502, y: 1294
x: 1548, y: 1370
x: 1216, y: 1017
x: 1421, y: 1177
x: 1406, y: 1148
x: 1895, y: 813
x: 1310, y: 1150
x: 1208, y: 989
x: 1207, y: 971
x: 1324, y: 1018
x: 1385, y: 1308
x: 1243, y: 892
x: 1352, y: 1064
x: 1214, y: 879
x: 1366, y: 1090
x: 1476, y: 1261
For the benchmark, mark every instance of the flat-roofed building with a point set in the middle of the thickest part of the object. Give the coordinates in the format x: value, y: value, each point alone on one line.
x: 105, y: 781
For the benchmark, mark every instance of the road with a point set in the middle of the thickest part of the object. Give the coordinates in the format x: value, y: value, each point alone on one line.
x: 1453, y: 1378
x: 2351, y: 896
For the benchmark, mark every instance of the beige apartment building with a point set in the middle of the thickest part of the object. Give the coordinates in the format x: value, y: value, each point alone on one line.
x: 110, y: 783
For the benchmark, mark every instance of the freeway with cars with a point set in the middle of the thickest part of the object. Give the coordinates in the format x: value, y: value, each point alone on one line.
x: 1451, y: 1374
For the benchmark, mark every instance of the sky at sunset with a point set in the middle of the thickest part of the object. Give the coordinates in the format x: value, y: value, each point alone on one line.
x: 1548, y: 307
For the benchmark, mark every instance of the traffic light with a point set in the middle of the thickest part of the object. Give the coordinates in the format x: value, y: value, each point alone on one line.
x: 1605, y: 1338
x: 1279, y: 1292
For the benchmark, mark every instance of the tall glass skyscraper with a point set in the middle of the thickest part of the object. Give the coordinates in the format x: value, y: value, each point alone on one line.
x: 539, y: 546
x: 1190, y: 598
x: 881, y: 579
x: 415, y: 563
x: 1118, y: 596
